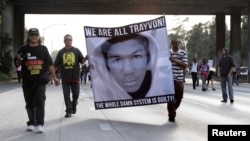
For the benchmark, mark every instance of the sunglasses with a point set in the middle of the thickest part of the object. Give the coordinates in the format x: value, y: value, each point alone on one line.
x: 68, y: 40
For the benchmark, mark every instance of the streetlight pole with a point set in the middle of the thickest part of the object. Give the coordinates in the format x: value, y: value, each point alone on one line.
x: 47, y: 28
x: 51, y: 47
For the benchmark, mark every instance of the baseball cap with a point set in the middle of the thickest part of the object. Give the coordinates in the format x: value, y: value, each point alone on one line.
x: 33, y: 31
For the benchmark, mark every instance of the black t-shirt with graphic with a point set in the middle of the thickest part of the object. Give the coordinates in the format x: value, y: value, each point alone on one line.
x: 67, y: 61
x: 35, y: 60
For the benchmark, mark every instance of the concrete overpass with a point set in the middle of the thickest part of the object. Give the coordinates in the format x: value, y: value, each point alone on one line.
x: 13, y: 17
x: 169, y: 7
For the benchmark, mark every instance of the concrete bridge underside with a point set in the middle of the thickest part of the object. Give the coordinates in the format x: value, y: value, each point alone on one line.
x: 13, y: 17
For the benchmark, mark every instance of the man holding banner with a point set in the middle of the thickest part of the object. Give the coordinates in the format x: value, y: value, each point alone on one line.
x: 179, y: 62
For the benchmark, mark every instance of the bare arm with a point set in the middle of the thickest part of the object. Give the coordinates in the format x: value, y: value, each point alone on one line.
x: 85, y: 59
x: 230, y: 72
x: 218, y: 72
x: 53, y: 74
x: 178, y: 63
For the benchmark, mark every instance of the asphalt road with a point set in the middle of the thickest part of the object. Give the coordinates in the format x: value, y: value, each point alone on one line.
x: 144, y: 123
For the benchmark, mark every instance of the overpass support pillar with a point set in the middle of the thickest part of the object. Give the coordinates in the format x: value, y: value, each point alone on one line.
x: 220, y: 35
x: 248, y: 49
x: 13, y: 24
x: 235, y: 36
x: 8, y: 25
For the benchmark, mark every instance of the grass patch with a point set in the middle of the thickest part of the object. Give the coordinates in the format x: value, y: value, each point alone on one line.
x: 4, y: 77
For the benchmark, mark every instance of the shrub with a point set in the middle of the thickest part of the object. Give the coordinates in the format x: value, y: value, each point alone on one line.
x: 4, y: 77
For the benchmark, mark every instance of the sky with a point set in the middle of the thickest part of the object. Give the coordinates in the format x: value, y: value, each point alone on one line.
x: 54, y: 27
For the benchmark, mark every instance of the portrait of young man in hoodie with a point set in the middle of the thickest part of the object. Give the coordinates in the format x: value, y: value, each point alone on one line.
x: 132, y: 66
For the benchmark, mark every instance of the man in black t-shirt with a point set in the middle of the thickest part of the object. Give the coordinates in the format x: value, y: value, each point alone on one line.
x: 35, y: 62
x: 67, y: 60
x: 226, y: 65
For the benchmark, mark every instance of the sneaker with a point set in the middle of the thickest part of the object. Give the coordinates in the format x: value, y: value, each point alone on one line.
x: 39, y: 129
x: 68, y: 115
x: 232, y: 101
x: 74, y: 107
x: 74, y: 110
x: 30, y: 128
x: 171, y: 119
x: 223, y: 100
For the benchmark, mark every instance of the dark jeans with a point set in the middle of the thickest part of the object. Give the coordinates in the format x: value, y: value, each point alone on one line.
x: 19, y: 77
x: 75, y: 89
x: 172, y: 107
x: 34, y: 95
x: 194, y: 78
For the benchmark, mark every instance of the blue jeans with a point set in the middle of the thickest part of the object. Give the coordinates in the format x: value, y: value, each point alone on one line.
x: 194, y: 79
x: 227, y: 82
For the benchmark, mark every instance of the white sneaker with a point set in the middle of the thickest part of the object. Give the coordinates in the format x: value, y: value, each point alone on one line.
x: 39, y: 129
x: 30, y: 128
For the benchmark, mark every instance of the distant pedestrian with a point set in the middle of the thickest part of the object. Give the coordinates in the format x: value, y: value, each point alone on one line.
x: 18, y: 69
x: 84, y: 73
x: 226, y: 65
x: 235, y: 73
x: 193, y: 70
x: 198, y: 75
x: 204, y: 71
x: 19, y: 73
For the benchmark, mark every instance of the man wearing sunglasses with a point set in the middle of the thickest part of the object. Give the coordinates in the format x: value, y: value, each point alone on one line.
x: 67, y: 60
x: 36, y: 62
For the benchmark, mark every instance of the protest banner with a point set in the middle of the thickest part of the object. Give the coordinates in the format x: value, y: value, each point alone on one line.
x: 129, y: 65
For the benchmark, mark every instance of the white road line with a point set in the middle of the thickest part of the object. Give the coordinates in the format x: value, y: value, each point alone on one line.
x: 105, y: 127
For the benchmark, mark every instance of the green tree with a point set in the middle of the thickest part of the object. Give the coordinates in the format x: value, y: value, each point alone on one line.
x: 3, y: 3
x: 212, y: 40
x: 197, y: 42
x: 180, y: 32
x: 5, y: 41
